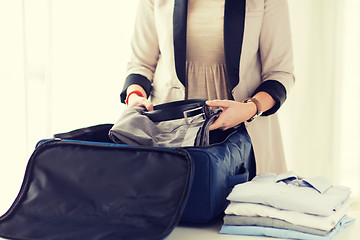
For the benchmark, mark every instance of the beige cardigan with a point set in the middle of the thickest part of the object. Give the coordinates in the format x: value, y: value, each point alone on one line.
x: 266, y: 54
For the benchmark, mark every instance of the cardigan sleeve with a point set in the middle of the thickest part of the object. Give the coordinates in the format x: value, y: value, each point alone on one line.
x: 276, y: 90
x: 144, y: 52
x: 276, y: 52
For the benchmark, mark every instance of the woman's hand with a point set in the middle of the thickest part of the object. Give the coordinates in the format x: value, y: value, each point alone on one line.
x: 233, y: 113
x: 138, y: 101
x: 135, y: 100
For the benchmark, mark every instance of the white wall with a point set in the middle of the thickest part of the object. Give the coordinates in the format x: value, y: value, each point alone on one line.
x: 320, y: 119
x: 12, y: 102
x: 62, y: 63
x: 307, y: 116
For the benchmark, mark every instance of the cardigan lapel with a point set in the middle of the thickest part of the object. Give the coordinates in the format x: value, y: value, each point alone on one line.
x: 234, y: 19
x: 179, y: 25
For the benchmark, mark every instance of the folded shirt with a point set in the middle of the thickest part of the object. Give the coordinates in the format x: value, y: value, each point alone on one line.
x: 307, y: 220
x: 284, y: 233
x: 286, y: 191
x: 269, y: 222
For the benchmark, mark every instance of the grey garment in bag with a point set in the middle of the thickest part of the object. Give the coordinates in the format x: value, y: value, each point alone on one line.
x: 135, y: 128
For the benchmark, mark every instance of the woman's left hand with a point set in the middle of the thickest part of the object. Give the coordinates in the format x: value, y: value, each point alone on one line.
x: 233, y: 113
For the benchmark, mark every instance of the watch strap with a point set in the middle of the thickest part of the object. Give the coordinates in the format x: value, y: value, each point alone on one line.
x: 259, y: 111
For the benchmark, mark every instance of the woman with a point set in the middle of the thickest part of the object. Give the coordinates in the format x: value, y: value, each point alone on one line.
x: 236, y: 53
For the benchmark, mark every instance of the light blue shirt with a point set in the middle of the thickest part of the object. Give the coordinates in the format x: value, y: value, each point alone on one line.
x: 288, y: 192
x: 284, y: 233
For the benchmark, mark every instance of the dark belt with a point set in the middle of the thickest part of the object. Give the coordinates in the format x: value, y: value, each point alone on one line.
x: 178, y: 110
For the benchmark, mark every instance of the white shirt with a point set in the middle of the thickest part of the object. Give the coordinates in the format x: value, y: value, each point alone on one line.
x: 286, y: 191
x: 297, y: 218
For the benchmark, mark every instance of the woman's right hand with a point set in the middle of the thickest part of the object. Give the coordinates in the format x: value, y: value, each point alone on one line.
x: 138, y: 101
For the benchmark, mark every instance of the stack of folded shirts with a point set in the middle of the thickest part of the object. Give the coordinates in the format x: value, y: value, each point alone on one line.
x: 286, y: 206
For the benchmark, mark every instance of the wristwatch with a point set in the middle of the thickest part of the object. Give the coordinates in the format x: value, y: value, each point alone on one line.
x: 258, y: 107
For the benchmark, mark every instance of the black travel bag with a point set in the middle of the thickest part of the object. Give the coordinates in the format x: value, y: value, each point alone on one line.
x: 80, y: 185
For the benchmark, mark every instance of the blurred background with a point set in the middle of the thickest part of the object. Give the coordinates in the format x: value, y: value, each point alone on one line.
x: 62, y: 65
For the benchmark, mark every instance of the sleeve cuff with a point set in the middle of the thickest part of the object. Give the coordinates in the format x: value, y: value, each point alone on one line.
x: 135, y: 79
x: 276, y: 90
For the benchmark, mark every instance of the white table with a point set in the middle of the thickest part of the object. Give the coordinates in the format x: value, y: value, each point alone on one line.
x: 211, y: 232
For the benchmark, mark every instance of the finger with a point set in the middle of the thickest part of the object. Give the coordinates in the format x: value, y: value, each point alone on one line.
x: 217, y: 124
x: 148, y: 105
x: 141, y: 102
x: 212, y: 127
x: 218, y: 103
x: 136, y: 104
